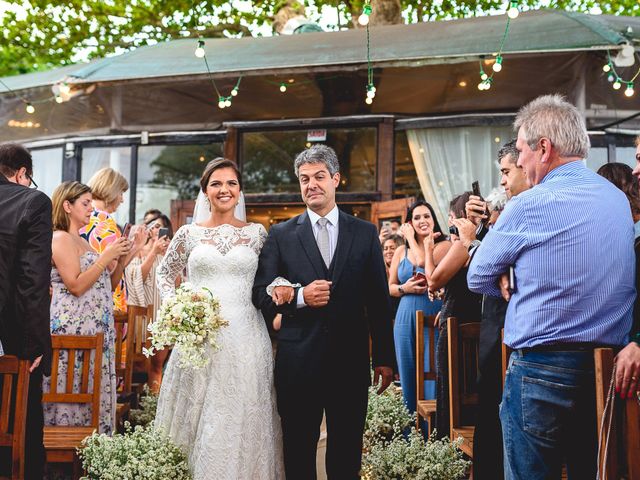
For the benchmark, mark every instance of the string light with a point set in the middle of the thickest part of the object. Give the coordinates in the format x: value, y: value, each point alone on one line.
x: 497, y: 66
x: 221, y: 102
x: 30, y: 108
x: 363, y: 19
x: 629, y: 90
x: 371, y: 89
x: 485, y: 79
x: 59, y: 99
x: 200, y: 49
x: 234, y: 92
x: 513, y: 11
x: 606, y: 67
x: 283, y: 87
x: 617, y: 84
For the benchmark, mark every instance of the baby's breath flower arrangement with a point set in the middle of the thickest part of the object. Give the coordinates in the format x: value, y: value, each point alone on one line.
x: 141, y: 453
x: 413, y: 458
x: 189, y: 321
x: 147, y: 411
x: 387, y: 416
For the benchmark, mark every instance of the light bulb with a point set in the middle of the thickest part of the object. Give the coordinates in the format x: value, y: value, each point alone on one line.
x: 629, y: 91
x: 283, y: 87
x: 363, y: 19
x: 371, y: 94
x: 59, y: 99
x: 611, y: 78
x: 498, y: 65
x: 65, y: 89
x: 368, y: 100
x: 606, y: 67
x: 513, y: 13
x: 483, y: 76
x: 221, y: 103
x: 30, y: 108
x: 372, y: 89
x: 617, y: 84
x: 227, y: 103
x: 234, y: 92
x: 200, y: 49
x: 481, y: 86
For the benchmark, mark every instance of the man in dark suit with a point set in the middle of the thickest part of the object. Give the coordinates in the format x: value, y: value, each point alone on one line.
x: 25, y: 269
x: 322, y: 363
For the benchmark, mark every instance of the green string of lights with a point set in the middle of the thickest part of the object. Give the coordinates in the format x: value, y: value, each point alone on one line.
x: 224, y: 101
x: 485, y: 79
x: 616, y: 80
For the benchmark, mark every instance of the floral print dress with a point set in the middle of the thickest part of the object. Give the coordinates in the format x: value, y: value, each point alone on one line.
x: 88, y: 314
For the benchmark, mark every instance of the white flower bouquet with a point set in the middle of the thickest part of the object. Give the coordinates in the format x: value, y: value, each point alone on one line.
x: 141, y: 453
x: 189, y: 321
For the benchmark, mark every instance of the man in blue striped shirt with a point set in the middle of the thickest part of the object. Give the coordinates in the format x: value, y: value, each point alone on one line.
x: 570, y: 241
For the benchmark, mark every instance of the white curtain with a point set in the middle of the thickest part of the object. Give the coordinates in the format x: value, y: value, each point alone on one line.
x: 448, y: 160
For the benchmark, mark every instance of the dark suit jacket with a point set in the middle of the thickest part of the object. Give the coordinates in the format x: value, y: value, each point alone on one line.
x: 334, y: 338
x: 25, y: 271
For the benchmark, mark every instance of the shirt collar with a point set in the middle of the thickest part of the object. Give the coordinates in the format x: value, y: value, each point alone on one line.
x: 564, y: 170
x: 332, y: 216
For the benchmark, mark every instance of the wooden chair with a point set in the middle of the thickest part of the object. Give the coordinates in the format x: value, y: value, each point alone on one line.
x: 630, y: 435
x: 13, y: 406
x: 425, y: 409
x: 60, y: 442
x: 463, y: 378
x: 124, y: 365
x: 139, y: 319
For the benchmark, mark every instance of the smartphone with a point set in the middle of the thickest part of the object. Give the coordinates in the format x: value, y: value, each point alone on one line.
x: 475, y: 188
x: 386, y: 224
x: 421, y: 277
x: 453, y: 230
x: 512, y: 280
x: 126, y: 230
x: 163, y: 232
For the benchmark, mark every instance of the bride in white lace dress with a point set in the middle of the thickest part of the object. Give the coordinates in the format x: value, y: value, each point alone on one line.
x: 224, y: 415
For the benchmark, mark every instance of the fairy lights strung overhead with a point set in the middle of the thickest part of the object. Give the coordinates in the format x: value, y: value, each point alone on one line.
x: 614, y: 77
x: 485, y: 79
x: 224, y: 101
x: 371, y: 89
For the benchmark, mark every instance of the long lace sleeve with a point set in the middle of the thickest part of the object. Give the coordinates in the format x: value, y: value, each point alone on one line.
x: 173, y: 263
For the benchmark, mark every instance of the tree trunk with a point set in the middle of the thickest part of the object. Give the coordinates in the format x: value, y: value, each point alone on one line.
x: 384, y: 12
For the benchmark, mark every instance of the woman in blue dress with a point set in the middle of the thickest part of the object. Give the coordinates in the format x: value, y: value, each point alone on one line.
x: 412, y: 290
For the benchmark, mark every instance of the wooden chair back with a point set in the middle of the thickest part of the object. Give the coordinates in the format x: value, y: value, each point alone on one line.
x: 463, y: 345
x: 139, y: 319
x: 14, y: 379
x: 123, y: 347
x: 78, y: 347
x: 425, y: 408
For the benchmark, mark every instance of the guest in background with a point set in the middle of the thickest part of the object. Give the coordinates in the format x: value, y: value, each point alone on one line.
x: 569, y: 240
x: 389, y: 245
x: 150, y: 215
x: 636, y: 169
x: 450, y: 272
x: 108, y: 188
x: 408, y: 259
x: 142, y: 290
x: 628, y: 360
x: 25, y: 260
x: 82, y: 301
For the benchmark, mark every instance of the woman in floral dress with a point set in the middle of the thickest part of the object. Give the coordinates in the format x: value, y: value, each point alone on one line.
x: 82, y: 302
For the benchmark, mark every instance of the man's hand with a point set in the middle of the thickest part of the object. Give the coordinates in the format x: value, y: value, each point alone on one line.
x: 35, y: 364
x: 503, y: 283
x: 628, y: 370
x: 476, y: 209
x: 317, y: 293
x: 466, y: 230
x: 282, y: 294
x: 384, y: 373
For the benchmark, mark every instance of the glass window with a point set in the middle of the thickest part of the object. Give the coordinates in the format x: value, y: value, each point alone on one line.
x: 170, y: 172
x: 405, y: 179
x: 624, y: 155
x: 47, y: 169
x: 267, y: 158
x: 597, y: 157
x: 118, y: 158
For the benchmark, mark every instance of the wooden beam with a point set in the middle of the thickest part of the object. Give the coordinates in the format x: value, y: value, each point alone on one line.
x: 386, y: 158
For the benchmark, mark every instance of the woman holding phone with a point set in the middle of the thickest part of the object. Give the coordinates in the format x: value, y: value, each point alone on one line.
x: 142, y: 288
x: 407, y: 281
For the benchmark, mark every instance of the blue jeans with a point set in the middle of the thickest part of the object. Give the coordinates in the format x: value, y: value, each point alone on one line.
x: 548, y: 416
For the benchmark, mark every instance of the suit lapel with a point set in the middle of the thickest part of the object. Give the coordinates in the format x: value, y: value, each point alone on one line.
x: 308, y: 241
x: 345, y: 237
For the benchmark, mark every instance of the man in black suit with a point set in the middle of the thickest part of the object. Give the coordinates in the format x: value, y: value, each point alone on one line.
x: 25, y: 269
x: 322, y: 363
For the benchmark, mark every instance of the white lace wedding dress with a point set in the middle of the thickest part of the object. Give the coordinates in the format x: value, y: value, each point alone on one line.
x: 224, y: 416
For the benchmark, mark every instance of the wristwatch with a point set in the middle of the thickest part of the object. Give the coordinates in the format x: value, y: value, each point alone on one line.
x: 401, y: 290
x: 474, y: 244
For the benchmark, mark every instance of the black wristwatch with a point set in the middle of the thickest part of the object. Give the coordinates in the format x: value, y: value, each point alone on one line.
x: 474, y: 244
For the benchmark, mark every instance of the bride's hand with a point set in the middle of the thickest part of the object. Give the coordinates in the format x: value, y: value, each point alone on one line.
x: 282, y: 295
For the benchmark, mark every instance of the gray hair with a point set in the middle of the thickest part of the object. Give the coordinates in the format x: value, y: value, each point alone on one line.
x: 509, y: 149
x: 318, y: 153
x: 553, y: 117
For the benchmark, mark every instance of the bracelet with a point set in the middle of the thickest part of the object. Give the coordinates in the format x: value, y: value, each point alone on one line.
x: 102, y: 267
x: 636, y: 338
x: 401, y: 290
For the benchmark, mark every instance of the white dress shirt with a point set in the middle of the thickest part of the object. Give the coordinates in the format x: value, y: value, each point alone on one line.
x: 332, y: 227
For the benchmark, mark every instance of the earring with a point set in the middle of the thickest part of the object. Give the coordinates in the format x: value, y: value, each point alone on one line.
x: 208, y: 202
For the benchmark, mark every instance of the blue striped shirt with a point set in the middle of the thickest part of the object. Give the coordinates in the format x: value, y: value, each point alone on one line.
x: 570, y: 240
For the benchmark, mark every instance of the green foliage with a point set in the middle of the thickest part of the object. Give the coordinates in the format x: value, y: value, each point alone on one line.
x: 41, y: 34
x: 147, y: 412
x: 387, y: 416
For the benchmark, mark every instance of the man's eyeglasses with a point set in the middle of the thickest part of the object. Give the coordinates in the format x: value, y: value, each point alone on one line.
x: 33, y: 184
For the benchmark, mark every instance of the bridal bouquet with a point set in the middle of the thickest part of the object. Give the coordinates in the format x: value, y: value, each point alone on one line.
x: 189, y: 321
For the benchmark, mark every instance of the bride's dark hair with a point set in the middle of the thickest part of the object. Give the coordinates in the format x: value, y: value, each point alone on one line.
x: 216, y: 164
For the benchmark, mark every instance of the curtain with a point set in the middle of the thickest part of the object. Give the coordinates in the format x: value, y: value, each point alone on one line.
x: 448, y: 160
